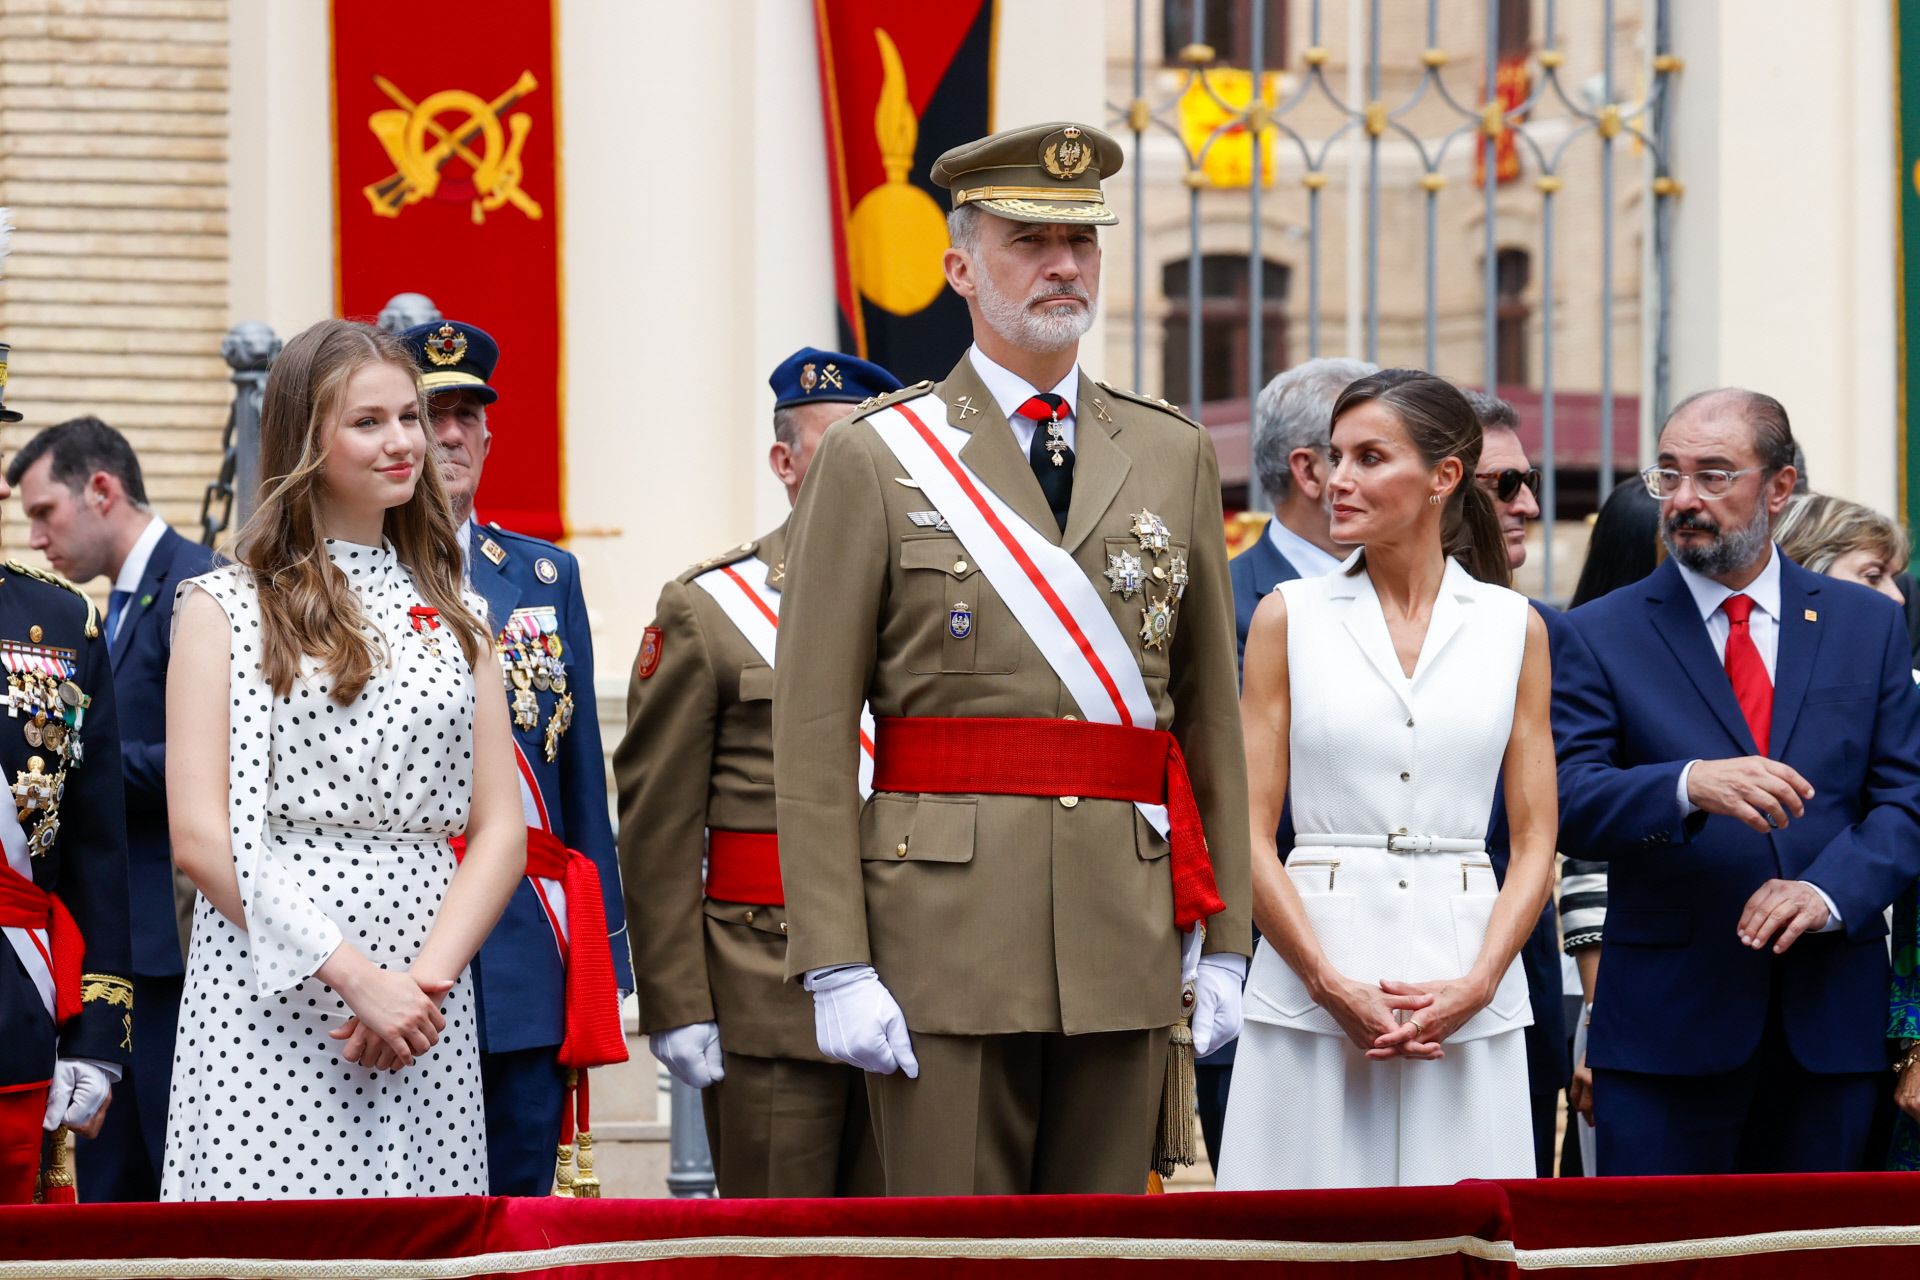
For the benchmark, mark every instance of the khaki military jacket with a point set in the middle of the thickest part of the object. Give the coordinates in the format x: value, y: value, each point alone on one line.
x: 698, y: 753
x: 995, y: 914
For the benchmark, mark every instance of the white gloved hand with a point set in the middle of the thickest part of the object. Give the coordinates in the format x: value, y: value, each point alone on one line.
x: 691, y: 1053
x: 78, y: 1091
x: 1216, y: 1001
x: 857, y: 1021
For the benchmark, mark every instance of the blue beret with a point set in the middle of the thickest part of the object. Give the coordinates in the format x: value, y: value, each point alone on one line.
x: 454, y: 357
x: 813, y: 376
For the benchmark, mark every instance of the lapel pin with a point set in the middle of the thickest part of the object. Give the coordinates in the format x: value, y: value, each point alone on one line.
x: 966, y: 407
x: 1100, y: 410
x: 1811, y: 615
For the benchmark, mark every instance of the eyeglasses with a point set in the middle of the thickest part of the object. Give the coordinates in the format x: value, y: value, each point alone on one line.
x: 1664, y: 482
x: 1505, y: 484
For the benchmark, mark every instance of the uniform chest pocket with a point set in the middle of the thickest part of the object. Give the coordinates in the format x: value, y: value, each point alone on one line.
x: 1144, y: 590
x: 955, y: 621
x: 756, y: 683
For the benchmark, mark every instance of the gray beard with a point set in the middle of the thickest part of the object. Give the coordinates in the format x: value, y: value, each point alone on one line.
x: 1025, y: 329
x: 1728, y: 551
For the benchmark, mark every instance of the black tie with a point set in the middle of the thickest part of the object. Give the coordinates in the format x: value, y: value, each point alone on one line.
x: 1053, y: 468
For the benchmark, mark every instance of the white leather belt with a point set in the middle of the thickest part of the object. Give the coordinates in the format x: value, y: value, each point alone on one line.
x: 1392, y: 841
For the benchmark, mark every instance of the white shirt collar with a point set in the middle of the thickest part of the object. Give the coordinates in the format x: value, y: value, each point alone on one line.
x: 134, y: 567
x: 1709, y: 595
x: 1307, y: 560
x: 1009, y: 390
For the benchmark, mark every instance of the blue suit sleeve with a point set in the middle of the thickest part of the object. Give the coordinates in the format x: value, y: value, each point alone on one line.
x: 584, y: 792
x: 1869, y: 864
x: 1605, y: 810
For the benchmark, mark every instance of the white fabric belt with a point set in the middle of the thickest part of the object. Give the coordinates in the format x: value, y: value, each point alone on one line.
x: 1394, y: 842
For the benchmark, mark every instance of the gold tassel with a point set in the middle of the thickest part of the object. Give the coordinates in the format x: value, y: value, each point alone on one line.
x: 586, y: 1183
x: 1174, y: 1144
x: 563, y: 1171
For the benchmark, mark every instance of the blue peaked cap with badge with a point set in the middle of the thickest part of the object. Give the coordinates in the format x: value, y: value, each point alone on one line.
x: 813, y: 376
x: 454, y: 357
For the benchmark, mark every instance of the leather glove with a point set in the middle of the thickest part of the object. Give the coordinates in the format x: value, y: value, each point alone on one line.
x: 1216, y: 1001
x: 79, y: 1089
x: 691, y: 1053
x: 857, y: 1021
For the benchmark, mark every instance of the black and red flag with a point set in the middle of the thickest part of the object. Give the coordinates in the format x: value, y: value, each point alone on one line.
x: 901, y: 84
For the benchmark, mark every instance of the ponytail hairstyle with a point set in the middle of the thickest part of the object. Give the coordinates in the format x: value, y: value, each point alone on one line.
x: 307, y: 607
x: 1441, y: 425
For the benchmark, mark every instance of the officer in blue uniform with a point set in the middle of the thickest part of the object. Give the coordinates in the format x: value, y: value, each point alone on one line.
x: 87, y: 511
x: 66, y: 988
x: 539, y: 620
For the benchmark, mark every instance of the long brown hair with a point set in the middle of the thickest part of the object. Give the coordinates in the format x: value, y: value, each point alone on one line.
x: 1441, y: 425
x: 307, y: 605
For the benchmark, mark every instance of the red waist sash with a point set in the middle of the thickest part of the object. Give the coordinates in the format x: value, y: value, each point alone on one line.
x: 594, y: 1037
x: 25, y: 905
x: 1034, y: 757
x: 744, y: 866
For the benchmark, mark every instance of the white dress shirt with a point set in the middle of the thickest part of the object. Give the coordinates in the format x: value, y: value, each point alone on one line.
x: 1763, y: 625
x: 1009, y: 391
x: 134, y: 568
x: 1307, y: 560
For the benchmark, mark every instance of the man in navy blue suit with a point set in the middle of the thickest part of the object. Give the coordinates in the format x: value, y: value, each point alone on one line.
x: 529, y: 1001
x: 1740, y: 740
x: 1510, y: 481
x: 86, y: 507
x: 1292, y: 420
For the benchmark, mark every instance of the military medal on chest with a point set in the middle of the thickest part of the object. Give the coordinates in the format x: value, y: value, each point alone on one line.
x: 534, y: 658
x: 1056, y: 445
x: 50, y: 709
x: 426, y: 625
x: 1156, y: 613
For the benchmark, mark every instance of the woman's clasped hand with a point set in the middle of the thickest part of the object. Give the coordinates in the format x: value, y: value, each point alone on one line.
x: 1393, y: 1019
x: 396, y: 1014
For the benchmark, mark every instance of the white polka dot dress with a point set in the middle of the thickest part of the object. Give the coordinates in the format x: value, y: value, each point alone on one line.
x: 340, y: 819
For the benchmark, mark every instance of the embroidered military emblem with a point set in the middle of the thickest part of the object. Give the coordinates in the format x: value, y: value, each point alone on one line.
x: 491, y: 550
x: 809, y: 377
x: 1100, y: 410
x: 960, y: 621
x: 830, y: 376
x: 1153, y: 533
x: 1066, y: 154
x: 967, y: 410
x: 928, y: 520
x: 446, y: 346
x: 545, y: 570
x: 1123, y: 574
x: 651, y: 642
x: 1156, y: 622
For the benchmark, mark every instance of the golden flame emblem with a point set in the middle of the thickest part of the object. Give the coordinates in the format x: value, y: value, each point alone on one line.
x: 897, y: 233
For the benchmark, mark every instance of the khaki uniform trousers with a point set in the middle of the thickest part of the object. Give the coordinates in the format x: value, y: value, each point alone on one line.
x: 1030, y: 1113
x: 787, y: 1128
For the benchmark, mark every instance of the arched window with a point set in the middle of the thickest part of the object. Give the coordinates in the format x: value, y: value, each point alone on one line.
x: 1511, y: 268
x: 1224, y: 324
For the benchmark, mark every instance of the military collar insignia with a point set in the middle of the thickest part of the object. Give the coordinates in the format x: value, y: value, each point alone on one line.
x: 492, y: 551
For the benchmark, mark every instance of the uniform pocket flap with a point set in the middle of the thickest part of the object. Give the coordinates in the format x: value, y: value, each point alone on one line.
x: 1649, y: 928
x: 756, y: 683
x: 761, y: 919
x: 1841, y: 692
x: 944, y: 554
x: 919, y: 829
x: 1150, y: 844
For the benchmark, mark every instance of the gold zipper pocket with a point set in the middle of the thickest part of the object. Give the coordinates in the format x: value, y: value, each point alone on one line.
x: 1331, y: 864
x: 1466, y: 866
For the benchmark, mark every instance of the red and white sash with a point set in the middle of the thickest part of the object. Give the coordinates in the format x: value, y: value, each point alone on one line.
x: 32, y: 946
x: 741, y: 591
x: 1045, y: 589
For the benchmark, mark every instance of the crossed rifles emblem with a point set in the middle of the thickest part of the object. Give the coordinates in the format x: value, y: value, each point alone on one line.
x: 420, y: 147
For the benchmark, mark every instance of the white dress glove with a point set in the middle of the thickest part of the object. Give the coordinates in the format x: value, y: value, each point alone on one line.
x: 79, y: 1089
x: 857, y: 1021
x: 1217, y: 987
x: 691, y: 1053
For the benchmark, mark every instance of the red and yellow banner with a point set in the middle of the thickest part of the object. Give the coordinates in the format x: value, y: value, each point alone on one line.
x: 901, y: 84
x: 447, y: 183
x: 1512, y: 85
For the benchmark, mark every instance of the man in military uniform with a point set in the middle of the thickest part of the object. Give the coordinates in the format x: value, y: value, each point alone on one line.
x: 544, y: 978
x: 66, y: 988
x: 696, y: 785
x: 1024, y: 572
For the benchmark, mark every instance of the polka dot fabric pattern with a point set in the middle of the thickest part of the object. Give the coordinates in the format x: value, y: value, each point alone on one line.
x: 340, y: 819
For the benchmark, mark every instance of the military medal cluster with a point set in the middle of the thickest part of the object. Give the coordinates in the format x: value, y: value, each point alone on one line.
x: 42, y: 694
x: 1128, y: 573
x: 530, y: 657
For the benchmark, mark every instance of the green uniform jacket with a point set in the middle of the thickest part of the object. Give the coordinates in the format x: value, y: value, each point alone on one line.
x: 698, y: 754
x: 1004, y: 913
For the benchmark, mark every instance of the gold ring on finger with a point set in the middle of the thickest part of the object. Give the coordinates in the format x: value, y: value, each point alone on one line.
x: 1415, y: 1024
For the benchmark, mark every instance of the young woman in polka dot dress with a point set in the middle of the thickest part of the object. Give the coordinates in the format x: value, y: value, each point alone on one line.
x: 324, y: 746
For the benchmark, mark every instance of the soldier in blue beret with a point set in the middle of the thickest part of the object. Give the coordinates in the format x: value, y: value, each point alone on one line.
x: 695, y: 774
x: 547, y: 990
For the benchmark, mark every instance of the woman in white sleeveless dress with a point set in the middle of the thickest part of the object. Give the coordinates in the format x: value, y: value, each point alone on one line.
x: 324, y: 742
x: 1384, y: 1006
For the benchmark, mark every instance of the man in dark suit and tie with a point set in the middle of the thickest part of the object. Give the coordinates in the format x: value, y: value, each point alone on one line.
x: 1740, y: 740
x: 87, y: 512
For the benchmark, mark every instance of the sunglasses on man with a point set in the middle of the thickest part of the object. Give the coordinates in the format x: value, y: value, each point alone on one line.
x: 1504, y: 484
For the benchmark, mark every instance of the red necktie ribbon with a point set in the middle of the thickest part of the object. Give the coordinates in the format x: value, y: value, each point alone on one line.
x: 1752, y: 687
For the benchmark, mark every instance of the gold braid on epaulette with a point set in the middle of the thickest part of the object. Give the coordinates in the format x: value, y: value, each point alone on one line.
x: 54, y: 579
x: 890, y: 397
x: 107, y: 987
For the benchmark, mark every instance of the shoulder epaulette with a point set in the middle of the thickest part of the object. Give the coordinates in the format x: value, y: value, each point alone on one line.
x: 892, y: 397
x: 1152, y: 402
x: 53, y: 579
x: 729, y: 556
